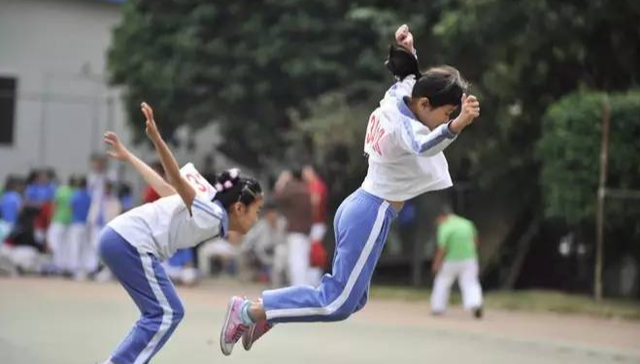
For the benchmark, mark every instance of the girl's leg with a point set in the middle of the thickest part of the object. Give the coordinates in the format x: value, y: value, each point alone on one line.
x: 148, y: 285
x: 362, y: 225
x: 363, y: 301
x: 362, y: 228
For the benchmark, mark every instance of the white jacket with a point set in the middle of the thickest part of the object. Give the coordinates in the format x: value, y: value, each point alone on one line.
x: 405, y: 157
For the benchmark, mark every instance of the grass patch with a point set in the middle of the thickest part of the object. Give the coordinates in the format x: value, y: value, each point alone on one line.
x: 531, y: 300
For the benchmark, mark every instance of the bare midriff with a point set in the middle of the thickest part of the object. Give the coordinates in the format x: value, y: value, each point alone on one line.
x: 397, y: 205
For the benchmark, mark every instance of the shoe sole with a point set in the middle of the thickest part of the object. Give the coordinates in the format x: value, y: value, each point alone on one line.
x: 223, y: 343
x: 248, y: 343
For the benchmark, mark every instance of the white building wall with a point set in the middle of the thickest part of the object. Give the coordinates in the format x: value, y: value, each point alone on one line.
x: 57, y: 51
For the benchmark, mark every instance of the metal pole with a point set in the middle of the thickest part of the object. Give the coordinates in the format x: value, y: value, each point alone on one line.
x: 602, y: 183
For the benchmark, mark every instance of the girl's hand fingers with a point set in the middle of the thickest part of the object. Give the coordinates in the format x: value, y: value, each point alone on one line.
x: 146, y: 113
x: 110, y: 136
x: 148, y: 109
x: 402, y: 32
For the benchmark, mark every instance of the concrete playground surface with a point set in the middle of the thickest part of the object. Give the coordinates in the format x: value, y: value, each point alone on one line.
x: 56, y: 321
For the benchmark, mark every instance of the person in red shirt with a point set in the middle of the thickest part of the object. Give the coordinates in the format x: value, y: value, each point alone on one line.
x: 319, y: 196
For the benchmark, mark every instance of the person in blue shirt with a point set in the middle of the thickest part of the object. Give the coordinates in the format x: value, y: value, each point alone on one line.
x: 80, y: 247
x: 11, y: 200
x: 41, y: 189
x: 10, y: 205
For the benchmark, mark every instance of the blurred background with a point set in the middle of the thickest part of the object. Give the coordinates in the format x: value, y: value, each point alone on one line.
x: 549, y: 174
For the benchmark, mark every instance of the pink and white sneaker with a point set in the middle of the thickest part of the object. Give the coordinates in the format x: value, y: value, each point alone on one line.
x: 254, y: 333
x: 233, y: 327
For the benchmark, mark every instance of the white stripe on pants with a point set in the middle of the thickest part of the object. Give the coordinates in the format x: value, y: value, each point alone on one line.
x: 466, y: 272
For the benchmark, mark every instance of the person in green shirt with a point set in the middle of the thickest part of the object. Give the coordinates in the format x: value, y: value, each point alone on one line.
x: 57, y: 235
x: 456, y: 258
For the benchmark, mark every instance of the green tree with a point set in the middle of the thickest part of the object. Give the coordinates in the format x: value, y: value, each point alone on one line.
x: 570, y: 152
x: 244, y: 64
x: 521, y: 56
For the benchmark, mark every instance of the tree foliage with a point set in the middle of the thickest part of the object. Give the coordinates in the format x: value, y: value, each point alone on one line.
x: 570, y: 152
x: 244, y: 64
x: 289, y: 73
x: 521, y: 57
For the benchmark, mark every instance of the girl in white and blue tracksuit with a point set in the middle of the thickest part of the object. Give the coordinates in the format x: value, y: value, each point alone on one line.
x: 404, y: 141
x: 190, y: 211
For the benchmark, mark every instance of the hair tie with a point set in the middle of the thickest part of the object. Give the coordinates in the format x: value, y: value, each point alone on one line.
x: 234, y: 173
x: 228, y: 184
x: 219, y: 187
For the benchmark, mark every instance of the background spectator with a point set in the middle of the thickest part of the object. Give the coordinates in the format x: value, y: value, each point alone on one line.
x: 456, y: 259
x: 294, y: 202
x: 58, y: 233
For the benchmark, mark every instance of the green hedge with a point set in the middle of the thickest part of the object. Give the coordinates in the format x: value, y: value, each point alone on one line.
x: 570, y: 149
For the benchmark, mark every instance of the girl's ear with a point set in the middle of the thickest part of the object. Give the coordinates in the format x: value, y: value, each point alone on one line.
x: 238, y: 208
x: 424, y: 103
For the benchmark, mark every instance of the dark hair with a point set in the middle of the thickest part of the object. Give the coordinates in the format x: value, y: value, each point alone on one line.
x: 109, y: 186
x: 31, y: 177
x: 232, y: 188
x: 12, y: 183
x: 296, y: 173
x: 123, y: 190
x: 51, y: 174
x: 441, y: 85
x: 444, y: 209
x: 81, y: 182
x: 158, y: 167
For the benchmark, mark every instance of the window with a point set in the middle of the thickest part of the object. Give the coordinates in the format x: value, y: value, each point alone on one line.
x: 7, y: 109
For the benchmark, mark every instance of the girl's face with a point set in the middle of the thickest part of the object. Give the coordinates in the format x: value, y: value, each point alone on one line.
x: 432, y: 117
x: 242, y: 217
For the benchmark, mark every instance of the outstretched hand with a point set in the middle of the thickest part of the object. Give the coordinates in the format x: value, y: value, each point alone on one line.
x: 404, y: 38
x: 118, y: 150
x: 151, y: 128
x: 470, y: 108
